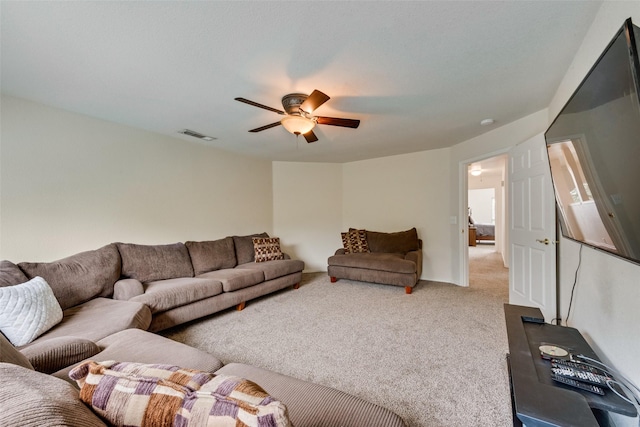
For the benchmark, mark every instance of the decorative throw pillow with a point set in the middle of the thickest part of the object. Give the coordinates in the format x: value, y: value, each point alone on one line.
x: 267, y: 249
x: 355, y: 241
x: 135, y: 394
x: 28, y: 310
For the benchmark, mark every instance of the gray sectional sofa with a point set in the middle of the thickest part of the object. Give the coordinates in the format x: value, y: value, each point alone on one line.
x: 385, y: 258
x: 112, y: 297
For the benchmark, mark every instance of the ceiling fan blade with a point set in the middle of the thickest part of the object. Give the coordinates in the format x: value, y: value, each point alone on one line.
x: 310, y: 136
x: 333, y: 121
x: 314, y: 100
x: 255, y: 104
x: 265, y: 127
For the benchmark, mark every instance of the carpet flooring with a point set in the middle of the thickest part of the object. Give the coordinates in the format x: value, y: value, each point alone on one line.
x: 435, y: 357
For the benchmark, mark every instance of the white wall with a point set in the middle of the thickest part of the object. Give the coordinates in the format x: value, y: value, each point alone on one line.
x: 400, y: 192
x: 482, y: 202
x: 307, y: 203
x: 607, y: 294
x: 70, y: 183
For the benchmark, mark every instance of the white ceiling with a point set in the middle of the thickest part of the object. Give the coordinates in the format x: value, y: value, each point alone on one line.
x: 419, y: 75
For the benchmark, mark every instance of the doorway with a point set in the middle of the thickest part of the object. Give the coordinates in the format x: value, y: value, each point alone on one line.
x: 487, y: 213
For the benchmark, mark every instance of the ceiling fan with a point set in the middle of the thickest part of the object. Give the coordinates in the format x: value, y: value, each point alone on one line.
x: 297, y: 114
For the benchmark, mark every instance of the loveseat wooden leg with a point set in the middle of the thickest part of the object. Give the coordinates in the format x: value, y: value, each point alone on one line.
x: 334, y: 279
x: 296, y: 286
x: 407, y: 289
x: 240, y: 306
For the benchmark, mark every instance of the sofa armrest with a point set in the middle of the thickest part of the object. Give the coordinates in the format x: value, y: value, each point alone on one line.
x: 285, y: 256
x: 340, y: 251
x: 126, y: 289
x: 51, y: 355
x: 416, y: 256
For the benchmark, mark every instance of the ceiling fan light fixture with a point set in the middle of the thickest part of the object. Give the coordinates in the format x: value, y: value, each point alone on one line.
x: 297, y: 125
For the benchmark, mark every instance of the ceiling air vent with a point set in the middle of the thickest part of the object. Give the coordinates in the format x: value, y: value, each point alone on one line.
x: 196, y: 135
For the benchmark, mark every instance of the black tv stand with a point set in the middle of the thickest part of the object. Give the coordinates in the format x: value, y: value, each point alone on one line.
x: 537, y: 400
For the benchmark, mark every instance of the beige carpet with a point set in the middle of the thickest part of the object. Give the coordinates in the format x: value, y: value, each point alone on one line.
x: 436, y: 357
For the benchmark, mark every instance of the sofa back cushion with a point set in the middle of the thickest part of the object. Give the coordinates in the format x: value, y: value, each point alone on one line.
x: 212, y: 255
x: 400, y: 242
x: 10, y: 274
x: 80, y: 277
x: 147, y: 263
x: 31, y: 399
x: 244, y: 247
x: 10, y: 354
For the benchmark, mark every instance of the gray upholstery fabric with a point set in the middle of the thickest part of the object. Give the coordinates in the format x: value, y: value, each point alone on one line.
x: 10, y: 274
x: 147, y: 263
x: 125, y: 289
x: 274, y: 269
x: 373, y: 276
x: 393, y: 262
x: 166, y: 294
x: 267, y: 287
x: 244, y: 247
x: 9, y: 354
x: 195, y: 310
x: 33, y: 399
x: 98, y: 318
x: 314, y: 405
x: 56, y: 353
x: 233, y: 279
x: 212, y: 255
x: 134, y: 345
x: 400, y: 242
x: 80, y: 277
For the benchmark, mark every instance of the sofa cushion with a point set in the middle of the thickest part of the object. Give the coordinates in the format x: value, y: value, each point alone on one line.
x: 244, y: 247
x: 28, y: 310
x: 233, y: 279
x: 145, y: 347
x: 312, y: 404
x: 162, y: 295
x: 147, y: 263
x: 51, y: 355
x: 355, y: 241
x: 80, y: 277
x: 275, y: 269
x: 10, y: 354
x: 212, y: 255
x: 33, y: 399
x: 98, y: 318
x: 10, y: 274
x: 393, y: 262
x: 135, y: 394
x: 400, y: 242
x: 267, y: 249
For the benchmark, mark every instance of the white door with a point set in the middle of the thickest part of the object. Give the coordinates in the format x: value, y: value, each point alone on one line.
x: 532, y: 272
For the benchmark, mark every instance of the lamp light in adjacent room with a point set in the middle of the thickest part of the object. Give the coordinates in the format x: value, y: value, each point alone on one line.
x: 476, y: 170
x: 297, y: 125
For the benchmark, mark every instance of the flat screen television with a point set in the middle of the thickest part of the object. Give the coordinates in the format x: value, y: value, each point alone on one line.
x: 594, y: 152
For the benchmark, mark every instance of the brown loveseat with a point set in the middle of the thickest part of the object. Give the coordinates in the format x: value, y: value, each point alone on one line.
x: 385, y: 258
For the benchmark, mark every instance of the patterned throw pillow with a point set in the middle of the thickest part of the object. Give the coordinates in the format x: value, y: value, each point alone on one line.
x: 267, y: 249
x: 355, y: 241
x: 136, y: 394
x: 28, y: 310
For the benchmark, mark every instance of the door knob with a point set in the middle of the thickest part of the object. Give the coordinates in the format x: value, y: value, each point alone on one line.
x: 546, y: 241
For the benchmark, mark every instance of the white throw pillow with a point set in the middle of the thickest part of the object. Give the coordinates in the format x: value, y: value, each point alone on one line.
x: 28, y: 310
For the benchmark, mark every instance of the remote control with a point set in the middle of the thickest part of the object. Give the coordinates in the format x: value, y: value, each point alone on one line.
x: 577, y: 384
x: 579, y: 365
x: 578, y: 374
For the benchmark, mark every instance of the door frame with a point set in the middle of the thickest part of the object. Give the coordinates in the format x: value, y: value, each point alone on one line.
x: 463, y: 203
